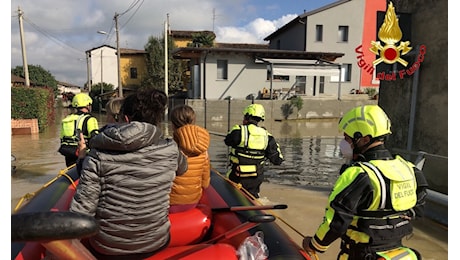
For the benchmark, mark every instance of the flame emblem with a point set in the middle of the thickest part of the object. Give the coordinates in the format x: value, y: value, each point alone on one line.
x: 390, y: 34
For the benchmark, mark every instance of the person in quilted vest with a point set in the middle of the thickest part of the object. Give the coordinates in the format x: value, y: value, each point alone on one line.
x: 194, y: 141
x: 126, y: 179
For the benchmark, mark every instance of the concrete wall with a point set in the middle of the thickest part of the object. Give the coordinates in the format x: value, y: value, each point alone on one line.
x: 229, y: 112
x: 426, y: 95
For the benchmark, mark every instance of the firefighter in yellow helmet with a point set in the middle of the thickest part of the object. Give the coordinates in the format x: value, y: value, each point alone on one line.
x: 374, y: 200
x: 71, y: 126
x: 250, y: 146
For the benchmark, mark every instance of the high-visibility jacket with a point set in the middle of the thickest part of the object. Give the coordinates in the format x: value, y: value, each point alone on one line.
x: 74, y: 123
x: 371, y: 204
x: 249, y: 149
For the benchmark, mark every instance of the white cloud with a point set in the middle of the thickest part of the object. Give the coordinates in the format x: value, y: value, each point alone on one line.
x: 57, y: 33
x: 254, y: 32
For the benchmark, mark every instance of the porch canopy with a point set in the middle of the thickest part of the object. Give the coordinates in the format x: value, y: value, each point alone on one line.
x: 291, y: 67
x: 299, y: 67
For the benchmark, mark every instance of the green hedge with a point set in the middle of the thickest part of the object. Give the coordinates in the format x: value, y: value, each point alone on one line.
x: 33, y: 102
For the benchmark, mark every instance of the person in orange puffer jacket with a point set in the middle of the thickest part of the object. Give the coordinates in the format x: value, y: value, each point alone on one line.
x: 194, y: 142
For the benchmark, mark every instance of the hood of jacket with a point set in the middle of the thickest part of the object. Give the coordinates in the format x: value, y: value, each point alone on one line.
x: 126, y: 137
x: 192, y: 139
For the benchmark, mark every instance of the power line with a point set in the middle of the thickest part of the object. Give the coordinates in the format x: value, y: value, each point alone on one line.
x: 137, y: 9
x: 50, y: 36
x: 111, y: 32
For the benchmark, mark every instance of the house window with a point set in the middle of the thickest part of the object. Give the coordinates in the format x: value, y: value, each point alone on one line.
x: 343, y: 33
x: 301, y: 82
x: 281, y: 77
x: 319, y: 32
x: 277, y: 77
x: 278, y: 44
x: 345, y: 74
x: 321, y: 84
x: 222, y: 69
x: 133, y: 73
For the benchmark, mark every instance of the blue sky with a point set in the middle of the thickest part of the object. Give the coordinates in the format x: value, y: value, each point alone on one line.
x: 57, y: 32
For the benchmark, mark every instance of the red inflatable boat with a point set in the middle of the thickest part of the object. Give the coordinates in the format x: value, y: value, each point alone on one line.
x: 223, y: 226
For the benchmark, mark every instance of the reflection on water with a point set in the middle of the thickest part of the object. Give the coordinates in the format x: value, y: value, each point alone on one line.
x: 310, y: 150
x: 309, y: 161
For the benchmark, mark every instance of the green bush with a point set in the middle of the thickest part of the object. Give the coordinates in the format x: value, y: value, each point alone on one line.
x: 297, y: 102
x: 33, y: 102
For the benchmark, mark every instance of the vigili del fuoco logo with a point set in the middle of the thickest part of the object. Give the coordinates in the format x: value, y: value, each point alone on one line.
x: 391, y: 51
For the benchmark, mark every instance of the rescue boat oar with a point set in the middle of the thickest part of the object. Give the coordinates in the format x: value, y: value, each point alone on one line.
x: 255, y: 207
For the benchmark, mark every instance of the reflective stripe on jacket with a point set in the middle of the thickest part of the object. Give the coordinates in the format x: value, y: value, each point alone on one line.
x: 249, y: 154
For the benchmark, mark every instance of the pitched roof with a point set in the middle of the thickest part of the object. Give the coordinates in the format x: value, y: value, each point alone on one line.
x: 17, y: 79
x: 65, y: 84
x: 124, y: 51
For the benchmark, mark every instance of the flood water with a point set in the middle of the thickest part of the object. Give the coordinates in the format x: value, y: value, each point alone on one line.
x: 310, y: 151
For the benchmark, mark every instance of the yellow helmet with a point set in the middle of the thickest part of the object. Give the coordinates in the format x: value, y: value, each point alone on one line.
x: 365, y: 120
x: 256, y: 110
x: 81, y: 100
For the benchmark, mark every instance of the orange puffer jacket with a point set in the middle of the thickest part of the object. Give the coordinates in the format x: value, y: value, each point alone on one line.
x: 194, y: 141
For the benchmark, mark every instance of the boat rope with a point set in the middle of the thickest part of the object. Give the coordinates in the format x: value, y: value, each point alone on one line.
x: 28, y: 196
x: 63, y: 172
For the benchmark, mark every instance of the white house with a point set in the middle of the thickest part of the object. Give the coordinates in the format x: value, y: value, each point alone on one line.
x: 102, y: 65
x: 242, y: 71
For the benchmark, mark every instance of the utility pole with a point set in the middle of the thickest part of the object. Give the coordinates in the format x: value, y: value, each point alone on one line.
x: 102, y: 74
x: 88, y: 82
x: 102, y: 81
x: 23, y: 46
x: 166, y: 62
x: 120, y: 87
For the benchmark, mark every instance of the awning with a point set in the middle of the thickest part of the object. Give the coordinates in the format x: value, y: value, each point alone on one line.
x: 304, y: 71
x: 298, y: 67
x: 301, y: 67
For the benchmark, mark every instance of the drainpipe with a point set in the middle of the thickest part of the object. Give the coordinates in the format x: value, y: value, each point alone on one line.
x: 340, y: 81
x: 410, y: 135
x: 271, y: 81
